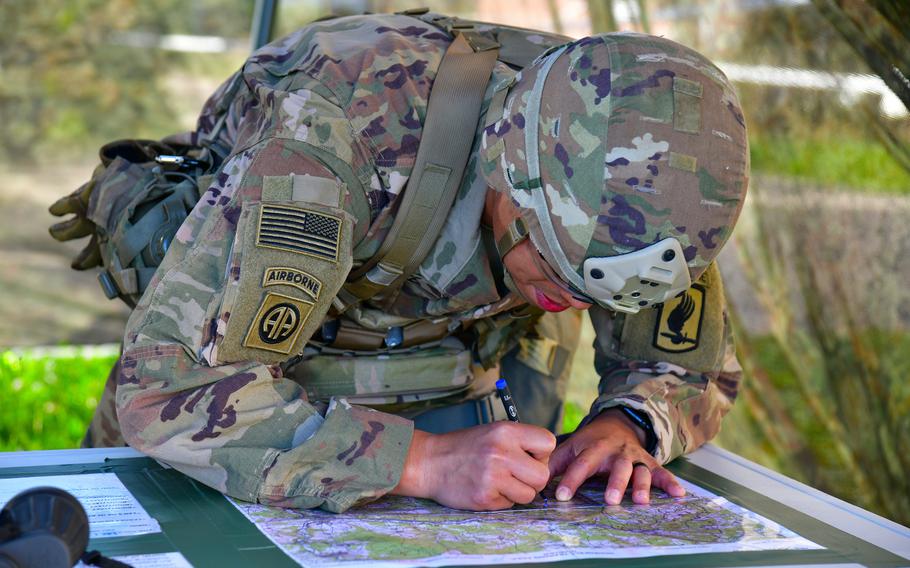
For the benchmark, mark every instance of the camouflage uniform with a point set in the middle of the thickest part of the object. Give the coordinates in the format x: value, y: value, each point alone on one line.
x: 322, y: 129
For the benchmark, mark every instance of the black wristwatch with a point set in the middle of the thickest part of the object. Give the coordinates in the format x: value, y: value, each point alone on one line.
x: 642, y: 420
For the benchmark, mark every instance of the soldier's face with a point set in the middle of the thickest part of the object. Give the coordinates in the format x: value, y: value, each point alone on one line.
x: 537, y: 282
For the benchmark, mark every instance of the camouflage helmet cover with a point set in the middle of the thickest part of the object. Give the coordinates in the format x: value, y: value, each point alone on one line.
x: 638, y: 139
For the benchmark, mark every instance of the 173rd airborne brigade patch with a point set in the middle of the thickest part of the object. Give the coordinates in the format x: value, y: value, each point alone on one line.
x: 687, y: 330
x: 679, y: 321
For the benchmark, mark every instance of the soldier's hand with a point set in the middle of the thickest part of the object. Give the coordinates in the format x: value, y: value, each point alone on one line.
x: 610, y: 444
x: 78, y: 225
x: 483, y: 468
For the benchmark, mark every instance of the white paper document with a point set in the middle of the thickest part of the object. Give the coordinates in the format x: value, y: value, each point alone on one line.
x: 400, y: 531
x: 161, y: 560
x: 112, y: 510
x: 165, y: 560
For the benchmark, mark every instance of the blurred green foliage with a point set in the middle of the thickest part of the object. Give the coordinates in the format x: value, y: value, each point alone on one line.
x: 826, y: 398
x: 69, y: 82
x: 50, y: 400
x: 825, y: 136
x: 830, y: 162
x: 818, y: 415
x: 572, y: 416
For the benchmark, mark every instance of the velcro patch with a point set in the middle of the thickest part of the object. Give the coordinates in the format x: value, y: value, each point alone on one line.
x: 683, y: 162
x: 678, y: 327
x: 287, y: 276
x: 312, y: 189
x: 299, y: 230
x: 278, y: 323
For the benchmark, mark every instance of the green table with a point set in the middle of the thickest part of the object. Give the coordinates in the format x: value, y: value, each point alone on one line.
x: 209, y: 531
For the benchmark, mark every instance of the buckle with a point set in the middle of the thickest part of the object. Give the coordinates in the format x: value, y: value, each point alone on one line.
x: 394, y: 337
x: 475, y: 39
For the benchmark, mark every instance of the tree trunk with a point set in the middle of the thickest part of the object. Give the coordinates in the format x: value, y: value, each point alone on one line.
x: 601, y: 14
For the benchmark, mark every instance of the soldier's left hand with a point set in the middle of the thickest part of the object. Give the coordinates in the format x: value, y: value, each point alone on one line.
x: 610, y: 444
x: 79, y: 225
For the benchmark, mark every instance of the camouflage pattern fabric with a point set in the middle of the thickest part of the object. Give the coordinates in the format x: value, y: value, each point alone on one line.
x: 322, y: 129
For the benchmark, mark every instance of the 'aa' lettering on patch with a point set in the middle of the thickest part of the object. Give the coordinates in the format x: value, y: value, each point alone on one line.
x: 679, y: 321
x: 277, y: 324
x: 299, y: 230
x: 286, y: 276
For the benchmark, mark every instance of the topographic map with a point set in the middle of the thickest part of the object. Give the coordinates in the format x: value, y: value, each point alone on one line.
x: 401, y: 531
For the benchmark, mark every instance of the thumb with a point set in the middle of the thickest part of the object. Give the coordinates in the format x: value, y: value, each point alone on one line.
x: 561, y: 457
x: 89, y: 257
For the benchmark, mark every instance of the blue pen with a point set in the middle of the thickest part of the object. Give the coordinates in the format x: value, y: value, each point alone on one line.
x: 505, y: 395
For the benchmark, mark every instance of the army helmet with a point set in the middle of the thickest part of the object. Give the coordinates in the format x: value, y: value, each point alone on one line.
x: 627, y: 157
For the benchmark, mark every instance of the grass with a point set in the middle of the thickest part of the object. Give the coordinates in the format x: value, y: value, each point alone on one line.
x: 862, y: 165
x: 49, y: 398
x: 574, y: 413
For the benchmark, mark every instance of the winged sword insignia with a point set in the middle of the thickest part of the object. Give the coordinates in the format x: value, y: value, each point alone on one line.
x: 679, y: 321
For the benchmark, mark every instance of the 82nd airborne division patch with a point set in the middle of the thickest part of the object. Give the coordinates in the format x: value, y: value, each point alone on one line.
x: 278, y: 323
x: 679, y: 321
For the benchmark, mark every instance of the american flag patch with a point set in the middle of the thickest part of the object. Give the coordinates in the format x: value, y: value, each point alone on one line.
x: 299, y: 230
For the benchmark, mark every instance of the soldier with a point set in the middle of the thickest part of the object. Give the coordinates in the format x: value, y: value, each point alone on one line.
x: 274, y: 358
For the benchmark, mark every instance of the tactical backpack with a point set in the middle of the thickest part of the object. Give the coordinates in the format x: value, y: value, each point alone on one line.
x: 143, y: 190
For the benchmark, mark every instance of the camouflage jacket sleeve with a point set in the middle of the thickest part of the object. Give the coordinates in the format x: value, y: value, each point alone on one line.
x: 249, y: 276
x: 675, y: 363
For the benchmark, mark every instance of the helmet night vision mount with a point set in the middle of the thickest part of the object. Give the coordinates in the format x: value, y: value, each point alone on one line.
x: 639, y: 279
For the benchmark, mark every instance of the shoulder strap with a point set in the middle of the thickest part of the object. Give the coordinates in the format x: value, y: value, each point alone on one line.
x: 453, y: 112
x: 518, y: 47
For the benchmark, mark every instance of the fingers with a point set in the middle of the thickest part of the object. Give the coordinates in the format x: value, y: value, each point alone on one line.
x: 538, y: 442
x: 491, y: 499
x: 560, y: 459
x: 74, y: 228
x: 585, y: 464
x: 643, y: 475
x: 486, y: 467
x: 665, y: 480
x: 518, y: 492
x: 619, y: 480
x: 641, y: 483
x: 75, y: 202
x: 65, y: 205
x: 89, y: 257
x: 530, y: 472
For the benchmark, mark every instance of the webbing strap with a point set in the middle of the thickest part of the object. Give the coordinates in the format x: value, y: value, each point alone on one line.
x: 453, y: 112
x: 516, y: 233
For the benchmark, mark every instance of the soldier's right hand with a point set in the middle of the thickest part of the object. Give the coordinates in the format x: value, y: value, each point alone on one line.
x: 483, y: 468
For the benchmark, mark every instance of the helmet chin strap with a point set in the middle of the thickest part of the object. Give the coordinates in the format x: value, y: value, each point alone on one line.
x: 515, y: 233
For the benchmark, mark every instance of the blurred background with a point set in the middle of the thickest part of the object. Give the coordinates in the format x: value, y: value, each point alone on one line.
x: 817, y: 272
